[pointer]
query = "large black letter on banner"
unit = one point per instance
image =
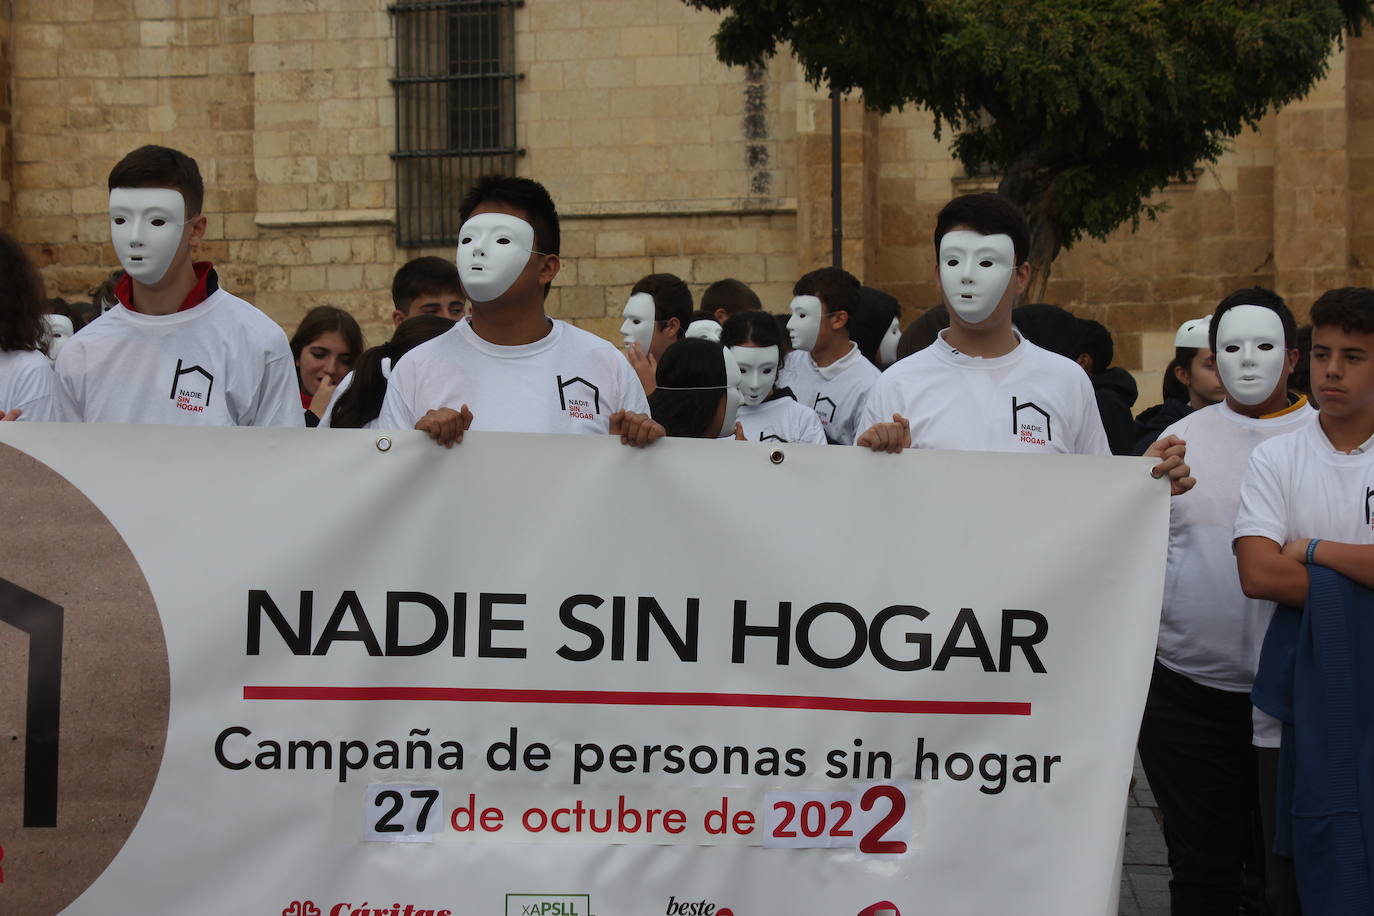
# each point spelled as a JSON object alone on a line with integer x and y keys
{"x": 42, "y": 620}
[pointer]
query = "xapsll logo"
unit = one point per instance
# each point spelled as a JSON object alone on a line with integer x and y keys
{"x": 1369, "y": 507}
{"x": 1031, "y": 427}
{"x": 579, "y": 398}
{"x": 825, "y": 408}
{"x": 191, "y": 388}
{"x": 701, "y": 907}
{"x": 548, "y": 905}
{"x": 301, "y": 908}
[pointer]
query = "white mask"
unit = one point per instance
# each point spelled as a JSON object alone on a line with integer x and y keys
{"x": 887, "y": 349}
{"x": 59, "y": 329}
{"x": 732, "y": 393}
{"x": 805, "y": 324}
{"x": 1193, "y": 333}
{"x": 704, "y": 328}
{"x": 638, "y": 327}
{"x": 758, "y": 371}
{"x": 146, "y": 226}
{"x": 1250, "y": 353}
{"x": 975, "y": 270}
{"x": 493, "y": 248}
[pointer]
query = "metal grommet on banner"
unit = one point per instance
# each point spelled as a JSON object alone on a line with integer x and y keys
{"x": 776, "y": 456}
{"x": 384, "y": 443}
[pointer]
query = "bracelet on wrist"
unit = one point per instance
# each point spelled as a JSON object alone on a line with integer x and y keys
{"x": 1312, "y": 550}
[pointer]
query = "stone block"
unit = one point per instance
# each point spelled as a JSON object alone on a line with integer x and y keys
{"x": 682, "y": 268}
{"x": 580, "y": 44}
{"x": 613, "y": 271}
{"x": 657, "y": 42}
{"x": 619, "y": 244}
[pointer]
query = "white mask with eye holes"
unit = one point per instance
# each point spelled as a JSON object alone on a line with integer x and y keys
{"x": 975, "y": 270}
{"x": 732, "y": 393}
{"x": 887, "y": 349}
{"x": 805, "y": 324}
{"x": 59, "y": 332}
{"x": 704, "y": 328}
{"x": 493, "y": 249}
{"x": 1250, "y": 353}
{"x": 758, "y": 368}
{"x": 146, "y": 226}
{"x": 638, "y": 326}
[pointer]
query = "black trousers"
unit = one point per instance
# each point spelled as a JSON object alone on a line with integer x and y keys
{"x": 1195, "y": 747}
{"x": 1281, "y": 883}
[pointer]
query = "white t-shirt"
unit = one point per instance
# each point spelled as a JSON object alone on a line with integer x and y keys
{"x": 1209, "y": 631}
{"x": 835, "y": 392}
{"x": 1299, "y": 486}
{"x": 221, "y": 363}
{"x": 780, "y": 420}
{"x": 1030, "y": 400}
{"x": 26, "y": 383}
{"x": 570, "y": 381}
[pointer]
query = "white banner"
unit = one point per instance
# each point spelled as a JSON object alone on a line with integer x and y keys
{"x": 284, "y": 671}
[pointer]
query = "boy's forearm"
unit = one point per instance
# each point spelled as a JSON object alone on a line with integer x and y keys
{"x": 1268, "y": 575}
{"x": 1354, "y": 561}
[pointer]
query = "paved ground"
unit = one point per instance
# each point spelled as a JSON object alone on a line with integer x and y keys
{"x": 1145, "y": 870}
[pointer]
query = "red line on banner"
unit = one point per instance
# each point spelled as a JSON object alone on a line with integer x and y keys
{"x": 640, "y": 698}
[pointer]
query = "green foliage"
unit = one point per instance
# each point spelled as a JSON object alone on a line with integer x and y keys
{"x": 1086, "y": 107}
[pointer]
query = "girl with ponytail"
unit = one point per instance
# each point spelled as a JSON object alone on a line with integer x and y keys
{"x": 358, "y": 400}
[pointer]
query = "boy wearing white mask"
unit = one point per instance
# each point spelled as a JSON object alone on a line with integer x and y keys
{"x": 826, "y": 370}
{"x": 1196, "y": 736}
{"x": 177, "y": 349}
{"x": 510, "y": 367}
{"x": 981, "y": 386}
{"x": 767, "y": 413}
{"x": 656, "y": 315}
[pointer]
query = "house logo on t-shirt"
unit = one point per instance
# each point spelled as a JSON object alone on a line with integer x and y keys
{"x": 579, "y": 398}
{"x": 771, "y": 437}
{"x": 1029, "y": 423}
{"x": 827, "y": 412}
{"x": 1369, "y": 507}
{"x": 191, "y": 388}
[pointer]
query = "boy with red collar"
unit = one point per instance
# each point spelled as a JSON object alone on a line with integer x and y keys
{"x": 180, "y": 350}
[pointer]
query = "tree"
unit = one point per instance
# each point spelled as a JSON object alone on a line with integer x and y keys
{"x": 1085, "y": 108}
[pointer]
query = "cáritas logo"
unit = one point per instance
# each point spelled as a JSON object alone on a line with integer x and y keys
{"x": 309, "y": 908}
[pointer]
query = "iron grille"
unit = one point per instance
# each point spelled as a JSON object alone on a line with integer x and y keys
{"x": 455, "y": 109}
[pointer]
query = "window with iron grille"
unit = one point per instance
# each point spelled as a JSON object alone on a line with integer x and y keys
{"x": 455, "y": 108}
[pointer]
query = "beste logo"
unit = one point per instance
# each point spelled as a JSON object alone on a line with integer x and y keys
{"x": 191, "y": 393}
{"x": 702, "y": 907}
{"x": 548, "y": 905}
{"x": 579, "y": 398}
{"x": 1034, "y": 427}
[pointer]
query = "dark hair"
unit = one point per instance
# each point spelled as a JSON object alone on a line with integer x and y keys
{"x": 758, "y": 328}
{"x": 922, "y": 332}
{"x": 105, "y": 292}
{"x": 1097, "y": 344}
{"x": 672, "y": 299}
{"x": 986, "y": 214}
{"x": 688, "y": 364}
{"x": 523, "y": 194}
{"x": 361, "y": 401}
{"x": 1050, "y": 327}
{"x": 868, "y": 326}
{"x": 1264, "y": 298}
{"x": 161, "y": 167}
{"x": 1351, "y": 307}
{"x": 1172, "y": 388}
{"x": 22, "y": 307}
{"x": 731, "y": 295}
{"x": 421, "y": 277}
{"x": 321, "y": 320}
{"x": 838, "y": 290}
